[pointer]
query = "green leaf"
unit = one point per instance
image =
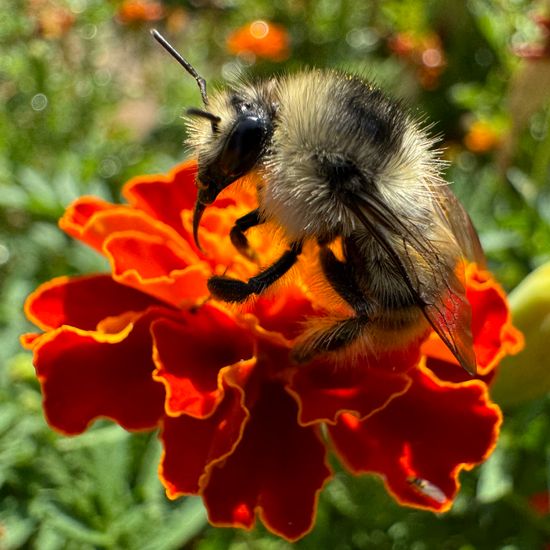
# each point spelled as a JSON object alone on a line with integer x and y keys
{"x": 53, "y": 518}
{"x": 178, "y": 528}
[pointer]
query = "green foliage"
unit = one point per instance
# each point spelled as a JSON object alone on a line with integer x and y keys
{"x": 100, "y": 490}
{"x": 85, "y": 108}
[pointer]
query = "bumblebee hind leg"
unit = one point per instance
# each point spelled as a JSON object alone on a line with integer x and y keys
{"x": 334, "y": 338}
{"x": 344, "y": 332}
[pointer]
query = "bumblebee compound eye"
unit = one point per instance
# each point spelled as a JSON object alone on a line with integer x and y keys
{"x": 244, "y": 146}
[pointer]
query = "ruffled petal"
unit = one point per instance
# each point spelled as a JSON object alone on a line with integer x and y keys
{"x": 93, "y": 221}
{"x": 276, "y": 471}
{"x": 164, "y": 197}
{"x": 192, "y": 356}
{"x": 449, "y": 372}
{"x": 421, "y": 440}
{"x": 192, "y": 445}
{"x": 283, "y": 313}
{"x": 150, "y": 264}
{"x": 491, "y": 311}
{"x": 325, "y": 390}
{"x": 77, "y": 216}
{"x": 149, "y": 255}
{"x": 170, "y": 199}
{"x": 493, "y": 333}
{"x": 30, "y": 339}
{"x": 90, "y": 374}
{"x": 82, "y": 302}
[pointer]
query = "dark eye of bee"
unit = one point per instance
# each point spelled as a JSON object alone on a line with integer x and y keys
{"x": 241, "y": 146}
{"x": 244, "y": 145}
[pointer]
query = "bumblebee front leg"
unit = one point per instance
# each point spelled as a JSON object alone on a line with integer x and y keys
{"x": 229, "y": 289}
{"x": 340, "y": 276}
{"x": 237, "y": 236}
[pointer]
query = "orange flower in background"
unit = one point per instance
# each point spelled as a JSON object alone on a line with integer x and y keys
{"x": 482, "y": 137}
{"x": 53, "y": 21}
{"x": 261, "y": 39}
{"x": 139, "y": 11}
{"x": 240, "y": 424}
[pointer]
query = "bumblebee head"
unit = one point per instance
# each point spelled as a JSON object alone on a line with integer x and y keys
{"x": 229, "y": 136}
{"x": 229, "y": 144}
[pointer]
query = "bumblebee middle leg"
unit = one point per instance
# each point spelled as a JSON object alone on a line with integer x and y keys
{"x": 229, "y": 289}
{"x": 237, "y": 236}
{"x": 340, "y": 276}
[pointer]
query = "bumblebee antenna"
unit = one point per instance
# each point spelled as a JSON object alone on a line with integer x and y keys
{"x": 183, "y": 62}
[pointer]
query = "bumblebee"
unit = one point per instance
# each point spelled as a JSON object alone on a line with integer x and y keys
{"x": 337, "y": 160}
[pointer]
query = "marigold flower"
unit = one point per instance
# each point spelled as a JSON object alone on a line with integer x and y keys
{"x": 240, "y": 424}
{"x": 261, "y": 39}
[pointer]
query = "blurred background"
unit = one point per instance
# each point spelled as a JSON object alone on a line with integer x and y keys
{"x": 88, "y": 99}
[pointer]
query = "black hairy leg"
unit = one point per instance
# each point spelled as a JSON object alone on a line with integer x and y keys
{"x": 229, "y": 289}
{"x": 237, "y": 234}
{"x": 334, "y": 338}
{"x": 340, "y": 276}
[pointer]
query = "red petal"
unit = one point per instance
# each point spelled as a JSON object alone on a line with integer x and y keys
{"x": 165, "y": 196}
{"x": 192, "y": 355}
{"x": 276, "y": 471}
{"x": 492, "y": 329}
{"x": 93, "y": 221}
{"x": 30, "y": 339}
{"x": 86, "y": 375}
{"x": 324, "y": 390}
{"x": 77, "y": 216}
{"x": 191, "y": 445}
{"x": 153, "y": 266}
{"x": 422, "y": 440}
{"x": 494, "y": 335}
{"x": 170, "y": 199}
{"x": 82, "y": 302}
{"x": 150, "y": 255}
{"x": 283, "y": 312}
{"x": 450, "y": 372}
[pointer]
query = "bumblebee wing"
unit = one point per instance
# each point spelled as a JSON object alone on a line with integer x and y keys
{"x": 448, "y": 311}
{"x": 453, "y": 213}
{"x": 431, "y": 262}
